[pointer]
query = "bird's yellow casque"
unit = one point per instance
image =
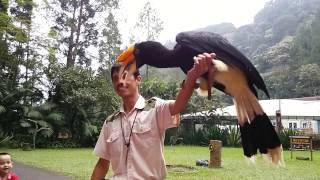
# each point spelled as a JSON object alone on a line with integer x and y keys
{"x": 127, "y": 60}
{"x": 127, "y": 56}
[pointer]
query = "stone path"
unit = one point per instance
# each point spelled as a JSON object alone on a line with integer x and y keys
{"x": 32, "y": 173}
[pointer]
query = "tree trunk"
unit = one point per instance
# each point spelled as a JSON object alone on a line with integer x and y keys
{"x": 74, "y": 52}
{"x": 70, "y": 59}
{"x": 34, "y": 140}
{"x": 34, "y": 136}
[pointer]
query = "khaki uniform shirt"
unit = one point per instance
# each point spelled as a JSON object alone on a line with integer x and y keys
{"x": 143, "y": 158}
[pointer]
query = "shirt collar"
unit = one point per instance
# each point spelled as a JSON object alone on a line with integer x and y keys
{"x": 140, "y": 104}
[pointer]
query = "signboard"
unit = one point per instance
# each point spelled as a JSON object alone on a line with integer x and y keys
{"x": 301, "y": 143}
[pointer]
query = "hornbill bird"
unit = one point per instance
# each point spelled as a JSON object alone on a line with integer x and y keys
{"x": 234, "y": 74}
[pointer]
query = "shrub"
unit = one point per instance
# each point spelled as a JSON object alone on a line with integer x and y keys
{"x": 285, "y": 137}
{"x": 233, "y": 136}
{"x": 216, "y": 133}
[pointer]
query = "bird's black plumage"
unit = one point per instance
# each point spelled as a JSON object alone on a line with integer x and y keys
{"x": 199, "y": 42}
{"x": 192, "y": 43}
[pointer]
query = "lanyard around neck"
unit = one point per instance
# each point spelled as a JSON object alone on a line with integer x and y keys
{"x": 124, "y": 139}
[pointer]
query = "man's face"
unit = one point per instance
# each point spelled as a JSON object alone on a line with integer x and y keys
{"x": 125, "y": 84}
{"x": 5, "y": 164}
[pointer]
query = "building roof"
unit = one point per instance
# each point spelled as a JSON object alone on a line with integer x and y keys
{"x": 288, "y": 107}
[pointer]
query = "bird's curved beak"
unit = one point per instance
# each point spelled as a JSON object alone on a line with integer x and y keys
{"x": 128, "y": 61}
{"x": 127, "y": 56}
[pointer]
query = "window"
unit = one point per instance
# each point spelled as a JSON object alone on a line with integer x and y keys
{"x": 290, "y": 125}
{"x": 294, "y": 125}
{"x": 304, "y": 125}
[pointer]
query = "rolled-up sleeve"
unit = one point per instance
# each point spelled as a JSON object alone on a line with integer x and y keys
{"x": 101, "y": 150}
{"x": 164, "y": 118}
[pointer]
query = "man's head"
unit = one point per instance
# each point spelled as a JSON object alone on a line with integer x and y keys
{"x": 125, "y": 83}
{"x": 6, "y": 163}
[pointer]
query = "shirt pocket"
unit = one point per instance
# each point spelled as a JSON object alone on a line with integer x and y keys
{"x": 142, "y": 128}
{"x": 114, "y": 144}
{"x": 113, "y": 137}
{"x": 146, "y": 138}
{"x": 145, "y": 134}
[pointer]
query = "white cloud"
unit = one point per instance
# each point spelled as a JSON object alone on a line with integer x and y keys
{"x": 183, "y": 15}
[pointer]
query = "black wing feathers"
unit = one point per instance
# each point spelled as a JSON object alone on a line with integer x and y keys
{"x": 200, "y": 42}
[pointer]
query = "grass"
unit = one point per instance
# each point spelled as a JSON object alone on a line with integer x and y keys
{"x": 78, "y": 163}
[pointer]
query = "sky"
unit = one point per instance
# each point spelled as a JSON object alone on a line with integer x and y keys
{"x": 184, "y": 15}
{"x": 177, "y": 15}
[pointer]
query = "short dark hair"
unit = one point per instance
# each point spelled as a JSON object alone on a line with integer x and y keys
{"x": 4, "y": 153}
{"x": 116, "y": 67}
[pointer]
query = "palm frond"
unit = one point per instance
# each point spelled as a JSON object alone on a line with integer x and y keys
{"x": 83, "y": 112}
{"x": 89, "y": 129}
{"x": 31, "y": 130}
{"x": 43, "y": 123}
{"x": 2, "y": 109}
{"x": 34, "y": 114}
{"x": 47, "y": 106}
{"x": 233, "y": 137}
{"x": 56, "y": 118}
{"x": 25, "y": 124}
{"x": 5, "y": 138}
{"x": 46, "y": 132}
{"x": 24, "y": 90}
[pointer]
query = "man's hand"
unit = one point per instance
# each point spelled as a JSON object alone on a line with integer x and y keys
{"x": 201, "y": 65}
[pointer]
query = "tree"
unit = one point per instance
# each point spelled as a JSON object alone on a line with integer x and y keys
{"x": 30, "y": 63}
{"x": 308, "y": 80}
{"x": 207, "y": 108}
{"x": 84, "y": 99}
{"x": 19, "y": 66}
{"x": 42, "y": 119}
{"x": 76, "y": 26}
{"x": 159, "y": 88}
{"x": 148, "y": 26}
{"x": 281, "y": 83}
{"x": 109, "y": 46}
{"x": 276, "y": 56}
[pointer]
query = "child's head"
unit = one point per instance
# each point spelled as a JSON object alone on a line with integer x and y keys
{"x": 5, "y": 163}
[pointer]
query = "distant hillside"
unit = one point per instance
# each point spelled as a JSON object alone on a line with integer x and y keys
{"x": 283, "y": 43}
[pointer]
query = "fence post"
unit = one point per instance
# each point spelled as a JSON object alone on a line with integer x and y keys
{"x": 215, "y": 153}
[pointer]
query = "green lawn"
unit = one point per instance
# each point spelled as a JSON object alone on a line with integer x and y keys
{"x": 78, "y": 163}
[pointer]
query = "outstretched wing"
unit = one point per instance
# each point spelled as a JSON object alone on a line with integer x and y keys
{"x": 192, "y": 43}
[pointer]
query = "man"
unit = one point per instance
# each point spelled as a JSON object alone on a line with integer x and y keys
{"x": 132, "y": 139}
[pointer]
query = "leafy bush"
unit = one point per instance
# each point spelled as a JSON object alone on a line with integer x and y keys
{"x": 285, "y": 137}
{"x": 200, "y": 137}
{"x": 4, "y": 138}
{"x": 170, "y": 133}
{"x": 10, "y": 143}
{"x": 64, "y": 144}
{"x": 216, "y": 133}
{"x": 233, "y": 136}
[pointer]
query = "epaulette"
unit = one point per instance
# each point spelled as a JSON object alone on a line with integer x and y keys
{"x": 150, "y": 103}
{"x": 112, "y": 116}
